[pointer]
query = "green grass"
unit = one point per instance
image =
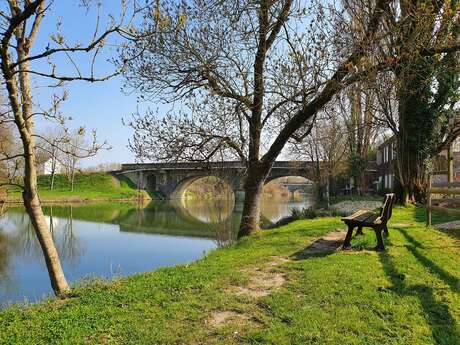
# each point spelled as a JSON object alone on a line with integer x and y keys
{"x": 408, "y": 294}
{"x": 87, "y": 187}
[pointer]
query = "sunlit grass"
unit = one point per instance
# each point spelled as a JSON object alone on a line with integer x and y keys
{"x": 87, "y": 187}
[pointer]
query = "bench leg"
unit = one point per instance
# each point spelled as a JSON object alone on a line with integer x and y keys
{"x": 378, "y": 234}
{"x": 346, "y": 242}
{"x": 385, "y": 230}
{"x": 359, "y": 231}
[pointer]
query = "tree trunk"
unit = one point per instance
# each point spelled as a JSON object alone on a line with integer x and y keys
{"x": 35, "y": 212}
{"x": 253, "y": 186}
{"x": 413, "y": 144}
{"x": 72, "y": 178}
{"x": 53, "y": 172}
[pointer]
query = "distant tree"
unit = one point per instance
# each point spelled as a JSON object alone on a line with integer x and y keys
{"x": 23, "y": 64}
{"x": 104, "y": 167}
{"x": 357, "y": 107}
{"x": 6, "y": 147}
{"x": 326, "y": 146}
{"x": 73, "y": 147}
{"x": 53, "y": 145}
{"x": 76, "y": 147}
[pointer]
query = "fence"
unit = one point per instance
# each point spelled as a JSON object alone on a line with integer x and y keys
{"x": 445, "y": 189}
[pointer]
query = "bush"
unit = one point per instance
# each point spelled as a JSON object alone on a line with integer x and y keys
{"x": 304, "y": 213}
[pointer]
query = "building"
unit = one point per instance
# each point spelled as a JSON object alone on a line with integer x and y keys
{"x": 46, "y": 168}
{"x": 386, "y": 159}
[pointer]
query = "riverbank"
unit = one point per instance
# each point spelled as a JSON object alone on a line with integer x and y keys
{"x": 88, "y": 187}
{"x": 271, "y": 288}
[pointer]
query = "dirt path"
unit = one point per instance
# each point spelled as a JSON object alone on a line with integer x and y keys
{"x": 268, "y": 279}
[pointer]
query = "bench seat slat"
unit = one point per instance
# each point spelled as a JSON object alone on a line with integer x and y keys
{"x": 362, "y": 216}
{"x": 354, "y": 215}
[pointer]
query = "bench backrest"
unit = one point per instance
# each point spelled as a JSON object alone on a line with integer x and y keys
{"x": 387, "y": 208}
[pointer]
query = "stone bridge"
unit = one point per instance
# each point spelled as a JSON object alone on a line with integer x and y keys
{"x": 172, "y": 179}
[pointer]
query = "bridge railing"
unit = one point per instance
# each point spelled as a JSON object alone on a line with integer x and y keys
{"x": 449, "y": 189}
{"x": 208, "y": 165}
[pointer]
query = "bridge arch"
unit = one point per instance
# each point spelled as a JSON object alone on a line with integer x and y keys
{"x": 292, "y": 183}
{"x": 181, "y": 187}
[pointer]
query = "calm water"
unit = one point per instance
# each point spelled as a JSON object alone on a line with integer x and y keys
{"x": 108, "y": 240}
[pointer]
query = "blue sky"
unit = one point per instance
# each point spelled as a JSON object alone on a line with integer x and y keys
{"x": 98, "y": 106}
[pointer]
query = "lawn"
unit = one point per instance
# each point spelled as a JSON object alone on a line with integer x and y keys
{"x": 87, "y": 187}
{"x": 408, "y": 294}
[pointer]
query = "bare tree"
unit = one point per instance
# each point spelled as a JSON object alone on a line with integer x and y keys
{"x": 253, "y": 74}
{"x": 326, "y": 147}
{"x": 21, "y": 60}
{"x": 6, "y": 147}
{"x": 53, "y": 144}
{"x": 75, "y": 148}
{"x": 357, "y": 107}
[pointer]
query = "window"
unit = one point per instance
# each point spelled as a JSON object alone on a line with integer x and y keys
{"x": 379, "y": 158}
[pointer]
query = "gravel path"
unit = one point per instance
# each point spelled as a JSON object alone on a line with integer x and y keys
{"x": 349, "y": 207}
{"x": 455, "y": 225}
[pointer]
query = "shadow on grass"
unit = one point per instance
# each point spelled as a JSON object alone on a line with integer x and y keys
{"x": 437, "y": 218}
{"x": 434, "y": 268}
{"x": 442, "y": 324}
{"x": 319, "y": 248}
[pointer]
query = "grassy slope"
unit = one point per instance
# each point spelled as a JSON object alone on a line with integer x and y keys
{"x": 406, "y": 295}
{"x": 91, "y": 186}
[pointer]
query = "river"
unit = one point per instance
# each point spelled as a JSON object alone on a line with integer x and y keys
{"x": 110, "y": 240}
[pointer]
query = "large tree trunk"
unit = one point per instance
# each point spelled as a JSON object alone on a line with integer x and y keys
{"x": 253, "y": 186}
{"x": 410, "y": 176}
{"x": 414, "y": 138}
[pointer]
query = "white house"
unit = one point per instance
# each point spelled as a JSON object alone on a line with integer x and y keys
{"x": 46, "y": 168}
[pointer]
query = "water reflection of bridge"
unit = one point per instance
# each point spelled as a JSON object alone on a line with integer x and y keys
{"x": 204, "y": 219}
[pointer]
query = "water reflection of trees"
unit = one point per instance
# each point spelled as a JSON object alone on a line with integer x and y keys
{"x": 62, "y": 230}
{"x": 69, "y": 246}
{"x": 6, "y": 251}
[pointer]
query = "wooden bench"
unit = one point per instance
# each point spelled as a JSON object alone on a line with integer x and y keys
{"x": 370, "y": 219}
